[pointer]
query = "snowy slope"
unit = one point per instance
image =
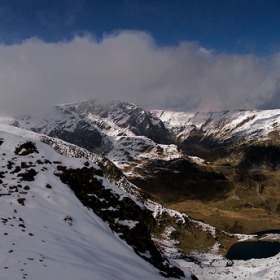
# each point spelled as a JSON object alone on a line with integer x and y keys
{"x": 129, "y": 135}
{"x": 46, "y": 231}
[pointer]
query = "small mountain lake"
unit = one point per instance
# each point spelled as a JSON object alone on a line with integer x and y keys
{"x": 254, "y": 249}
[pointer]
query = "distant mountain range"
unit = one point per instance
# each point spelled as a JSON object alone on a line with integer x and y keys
{"x": 194, "y": 181}
{"x": 108, "y": 128}
{"x": 175, "y": 152}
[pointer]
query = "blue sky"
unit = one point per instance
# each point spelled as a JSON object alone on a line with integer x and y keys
{"x": 177, "y": 54}
{"x": 241, "y": 26}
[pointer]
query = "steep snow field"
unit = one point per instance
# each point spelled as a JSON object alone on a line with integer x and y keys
{"x": 46, "y": 232}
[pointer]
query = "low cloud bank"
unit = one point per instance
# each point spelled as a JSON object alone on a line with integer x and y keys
{"x": 129, "y": 66}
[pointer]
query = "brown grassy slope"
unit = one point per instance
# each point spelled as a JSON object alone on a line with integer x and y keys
{"x": 230, "y": 194}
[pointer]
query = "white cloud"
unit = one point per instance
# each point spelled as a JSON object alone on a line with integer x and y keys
{"x": 129, "y": 66}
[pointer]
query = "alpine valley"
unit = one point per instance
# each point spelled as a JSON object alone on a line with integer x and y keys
{"x": 113, "y": 191}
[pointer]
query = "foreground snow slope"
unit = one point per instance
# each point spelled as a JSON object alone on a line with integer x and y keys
{"x": 46, "y": 232}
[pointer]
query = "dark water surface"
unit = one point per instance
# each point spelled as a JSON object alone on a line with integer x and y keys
{"x": 274, "y": 231}
{"x": 249, "y": 250}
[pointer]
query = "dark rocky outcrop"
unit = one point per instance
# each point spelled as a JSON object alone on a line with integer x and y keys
{"x": 131, "y": 222}
{"x": 83, "y": 135}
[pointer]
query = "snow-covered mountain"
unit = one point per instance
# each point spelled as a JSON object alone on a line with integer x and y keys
{"x": 61, "y": 219}
{"x": 202, "y": 134}
{"x": 220, "y": 168}
{"x": 170, "y": 150}
{"x": 123, "y": 132}
{"x": 169, "y": 154}
{"x": 128, "y": 135}
{"x": 224, "y": 125}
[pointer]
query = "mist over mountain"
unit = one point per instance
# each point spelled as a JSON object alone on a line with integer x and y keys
{"x": 131, "y": 66}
